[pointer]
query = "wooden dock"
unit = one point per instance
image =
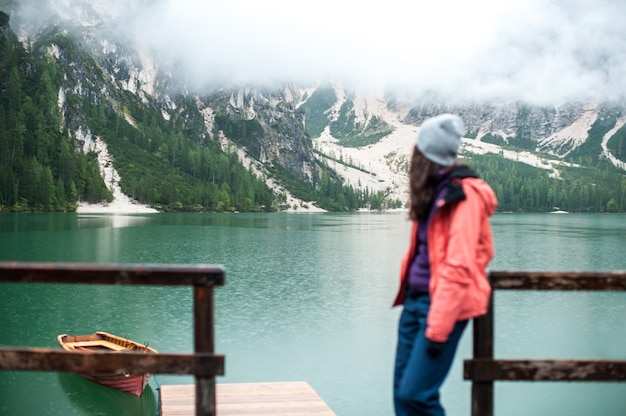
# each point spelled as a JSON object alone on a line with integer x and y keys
{"x": 295, "y": 398}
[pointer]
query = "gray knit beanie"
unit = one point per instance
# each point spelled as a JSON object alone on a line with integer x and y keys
{"x": 439, "y": 138}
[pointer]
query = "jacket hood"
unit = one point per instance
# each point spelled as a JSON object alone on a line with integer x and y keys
{"x": 485, "y": 192}
{"x": 463, "y": 176}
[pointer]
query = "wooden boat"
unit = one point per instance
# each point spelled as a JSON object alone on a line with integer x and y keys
{"x": 101, "y": 341}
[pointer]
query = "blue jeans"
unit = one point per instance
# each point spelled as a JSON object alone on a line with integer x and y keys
{"x": 418, "y": 376}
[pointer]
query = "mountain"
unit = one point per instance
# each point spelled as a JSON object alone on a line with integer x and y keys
{"x": 288, "y": 146}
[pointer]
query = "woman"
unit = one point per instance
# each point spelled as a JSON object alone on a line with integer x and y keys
{"x": 443, "y": 280}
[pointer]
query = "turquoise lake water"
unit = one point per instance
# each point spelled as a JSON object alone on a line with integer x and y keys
{"x": 307, "y": 297}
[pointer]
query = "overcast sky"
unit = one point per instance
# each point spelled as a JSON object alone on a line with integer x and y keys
{"x": 542, "y": 51}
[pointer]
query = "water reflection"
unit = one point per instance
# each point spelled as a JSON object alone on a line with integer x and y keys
{"x": 112, "y": 220}
{"x": 93, "y": 399}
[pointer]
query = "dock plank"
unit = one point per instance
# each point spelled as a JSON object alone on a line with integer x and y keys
{"x": 296, "y": 398}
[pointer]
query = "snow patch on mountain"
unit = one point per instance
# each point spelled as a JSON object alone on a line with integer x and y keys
{"x": 477, "y": 147}
{"x": 605, "y": 150}
{"x": 563, "y": 142}
{"x": 122, "y": 203}
{"x": 367, "y": 106}
{"x": 335, "y": 110}
{"x": 383, "y": 166}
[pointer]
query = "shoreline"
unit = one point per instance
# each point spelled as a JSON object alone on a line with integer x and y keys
{"x": 114, "y": 208}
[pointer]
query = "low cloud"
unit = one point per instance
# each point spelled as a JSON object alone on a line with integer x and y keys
{"x": 540, "y": 51}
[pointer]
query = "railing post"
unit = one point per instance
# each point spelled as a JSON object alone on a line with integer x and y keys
{"x": 482, "y": 391}
{"x": 204, "y": 343}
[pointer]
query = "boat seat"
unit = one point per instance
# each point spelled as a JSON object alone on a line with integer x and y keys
{"x": 98, "y": 343}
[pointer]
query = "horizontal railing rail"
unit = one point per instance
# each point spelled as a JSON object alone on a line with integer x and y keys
{"x": 483, "y": 369}
{"x": 204, "y": 364}
{"x": 43, "y": 359}
{"x": 592, "y": 281}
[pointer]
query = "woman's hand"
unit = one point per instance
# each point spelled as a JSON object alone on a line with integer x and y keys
{"x": 434, "y": 348}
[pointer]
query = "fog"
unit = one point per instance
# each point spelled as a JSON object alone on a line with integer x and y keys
{"x": 539, "y": 51}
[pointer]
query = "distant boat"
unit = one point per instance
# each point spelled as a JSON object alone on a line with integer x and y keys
{"x": 101, "y": 341}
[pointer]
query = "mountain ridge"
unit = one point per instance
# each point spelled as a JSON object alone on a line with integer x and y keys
{"x": 314, "y": 134}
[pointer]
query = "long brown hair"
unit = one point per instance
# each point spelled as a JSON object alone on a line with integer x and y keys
{"x": 423, "y": 178}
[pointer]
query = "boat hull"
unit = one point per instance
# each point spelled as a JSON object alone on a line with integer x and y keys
{"x": 102, "y": 341}
{"x": 134, "y": 385}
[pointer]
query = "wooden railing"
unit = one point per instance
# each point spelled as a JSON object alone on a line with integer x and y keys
{"x": 483, "y": 369}
{"x": 204, "y": 364}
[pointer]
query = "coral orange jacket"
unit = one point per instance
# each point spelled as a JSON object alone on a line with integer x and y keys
{"x": 460, "y": 246}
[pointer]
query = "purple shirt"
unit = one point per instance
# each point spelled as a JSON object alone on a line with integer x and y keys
{"x": 419, "y": 273}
